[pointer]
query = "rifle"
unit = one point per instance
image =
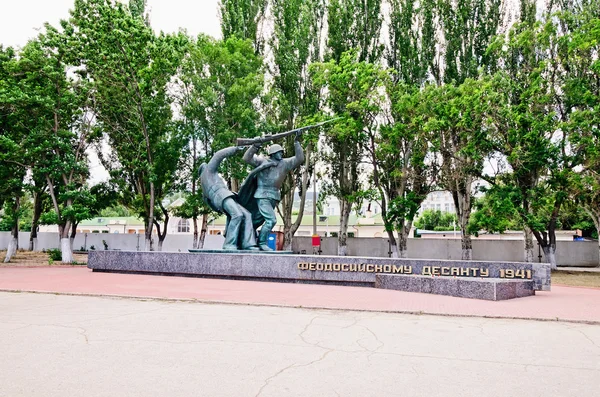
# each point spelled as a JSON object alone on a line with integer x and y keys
{"x": 274, "y": 137}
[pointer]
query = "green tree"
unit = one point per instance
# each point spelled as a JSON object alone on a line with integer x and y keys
{"x": 220, "y": 85}
{"x": 243, "y": 19}
{"x": 12, "y": 153}
{"x": 404, "y": 170}
{"x": 495, "y": 212}
{"x": 295, "y": 44}
{"x": 576, "y": 60}
{"x": 354, "y": 89}
{"x": 355, "y": 25}
{"x": 58, "y": 130}
{"x": 130, "y": 68}
{"x": 468, "y": 26}
{"x": 526, "y": 132}
{"x": 457, "y": 124}
{"x": 436, "y": 220}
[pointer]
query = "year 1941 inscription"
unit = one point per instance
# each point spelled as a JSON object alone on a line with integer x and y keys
{"x": 405, "y": 269}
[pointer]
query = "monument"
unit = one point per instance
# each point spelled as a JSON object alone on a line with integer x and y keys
{"x": 244, "y": 253}
{"x": 254, "y": 205}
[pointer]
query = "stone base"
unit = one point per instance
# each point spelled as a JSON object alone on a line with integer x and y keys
{"x": 213, "y": 251}
{"x": 483, "y": 280}
{"x": 492, "y": 289}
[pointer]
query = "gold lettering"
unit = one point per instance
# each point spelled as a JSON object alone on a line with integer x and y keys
{"x": 387, "y": 269}
{"x": 397, "y": 269}
{"x": 353, "y": 267}
{"x": 426, "y": 271}
{"x": 337, "y": 267}
{"x": 435, "y": 270}
{"x": 473, "y": 271}
{"x": 320, "y": 266}
{"x": 312, "y": 266}
{"x": 370, "y": 268}
{"x": 484, "y": 272}
{"x": 455, "y": 271}
{"x": 464, "y": 271}
{"x": 361, "y": 267}
{"x": 445, "y": 271}
{"x": 407, "y": 269}
{"x": 345, "y": 267}
{"x": 328, "y": 267}
{"x": 303, "y": 266}
{"x": 378, "y": 268}
{"x": 528, "y": 274}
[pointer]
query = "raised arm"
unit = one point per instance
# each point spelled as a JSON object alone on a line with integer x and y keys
{"x": 213, "y": 164}
{"x": 298, "y": 159}
{"x": 250, "y": 156}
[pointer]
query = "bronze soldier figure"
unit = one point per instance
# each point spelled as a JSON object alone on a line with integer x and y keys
{"x": 239, "y": 233}
{"x": 263, "y": 184}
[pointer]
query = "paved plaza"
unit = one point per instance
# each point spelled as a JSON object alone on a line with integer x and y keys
{"x": 56, "y": 345}
{"x": 562, "y": 303}
{"x": 78, "y": 333}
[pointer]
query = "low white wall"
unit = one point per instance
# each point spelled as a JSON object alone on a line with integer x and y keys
{"x": 568, "y": 253}
{"x": 124, "y": 242}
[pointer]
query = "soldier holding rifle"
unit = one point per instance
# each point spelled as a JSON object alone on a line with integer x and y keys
{"x": 260, "y": 192}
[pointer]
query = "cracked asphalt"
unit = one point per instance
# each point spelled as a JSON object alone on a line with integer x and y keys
{"x": 59, "y": 345}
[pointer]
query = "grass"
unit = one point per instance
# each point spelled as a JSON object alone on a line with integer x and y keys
{"x": 576, "y": 279}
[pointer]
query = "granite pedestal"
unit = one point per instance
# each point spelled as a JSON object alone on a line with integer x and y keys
{"x": 358, "y": 271}
{"x": 493, "y": 289}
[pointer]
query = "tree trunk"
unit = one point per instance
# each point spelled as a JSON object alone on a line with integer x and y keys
{"x": 195, "y": 242}
{"x": 12, "y": 249}
{"x": 343, "y": 232}
{"x": 66, "y": 251}
{"x": 73, "y": 233}
{"x": 203, "y": 231}
{"x": 13, "y": 244}
{"x": 550, "y": 254}
{"x": 529, "y": 254}
{"x": 37, "y": 212}
{"x": 393, "y": 244}
{"x": 65, "y": 243}
{"x": 466, "y": 245}
{"x": 598, "y": 231}
{"x": 462, "y": 200}
{"x": 403, "y": 238}
{"x": 148, "y": 243}
{"x": 594, "y": 213}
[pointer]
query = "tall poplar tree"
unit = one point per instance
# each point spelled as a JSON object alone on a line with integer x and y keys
{"x": 468, "y": 27}
{"x": 403, "y": 169}
{"x": 353, "y": 48}
{"x": 131, "y": 67}
{"x": 243, "y": 19}
{"x": 296, "y": 43}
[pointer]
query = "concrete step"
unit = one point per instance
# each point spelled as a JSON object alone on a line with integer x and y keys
{"x": 493, "y": 289}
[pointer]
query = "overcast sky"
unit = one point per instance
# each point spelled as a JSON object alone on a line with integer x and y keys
{"x": 20, "y": 20}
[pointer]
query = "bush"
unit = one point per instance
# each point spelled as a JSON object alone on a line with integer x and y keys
{"x": 55, "y": 254}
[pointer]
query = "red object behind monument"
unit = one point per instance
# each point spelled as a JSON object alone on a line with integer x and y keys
{"x": 316, "y": 241}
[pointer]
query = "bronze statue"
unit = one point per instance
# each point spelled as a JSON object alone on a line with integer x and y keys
{"x": 264, "y": 183}
{"x": 255, "y": 203}
{"x": 239, "y": 233}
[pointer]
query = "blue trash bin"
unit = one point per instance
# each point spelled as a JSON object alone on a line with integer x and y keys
{"x": 272, "y": 241}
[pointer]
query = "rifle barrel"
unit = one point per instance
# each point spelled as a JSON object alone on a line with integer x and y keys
{"x": 274, "y": 137}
